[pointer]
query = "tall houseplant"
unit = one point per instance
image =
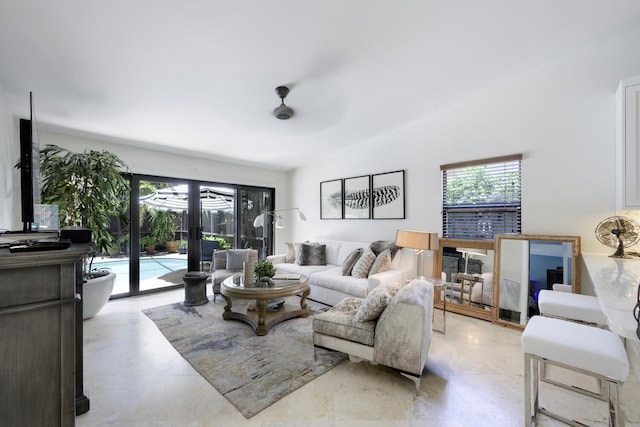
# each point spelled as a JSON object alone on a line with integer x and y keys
{"x": 89, "y": 190}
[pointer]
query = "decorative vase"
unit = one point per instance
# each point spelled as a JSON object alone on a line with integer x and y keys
{"x": 249, "y": 275}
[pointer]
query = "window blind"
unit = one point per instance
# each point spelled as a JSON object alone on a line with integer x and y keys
{"x": 482, "y": 198}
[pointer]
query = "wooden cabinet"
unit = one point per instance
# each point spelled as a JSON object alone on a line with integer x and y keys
{"x": 39, "y": 329}
{"x": 628, "y": 144}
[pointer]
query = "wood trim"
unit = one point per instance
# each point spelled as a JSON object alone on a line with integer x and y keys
{"x": 490, "y": 160}
{"x": 477, "y": 312}
{"x": 576, "y": 268}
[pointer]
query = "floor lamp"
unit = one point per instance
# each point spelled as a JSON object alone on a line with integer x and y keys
{"x": 277, "y": 222}
{"x": 420, "y": 241}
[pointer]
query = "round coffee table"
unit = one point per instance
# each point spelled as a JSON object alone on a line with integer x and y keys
{"x": 260, "y": 320}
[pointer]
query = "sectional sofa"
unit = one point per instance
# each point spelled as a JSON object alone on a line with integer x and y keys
{"x": 329, "y": 284}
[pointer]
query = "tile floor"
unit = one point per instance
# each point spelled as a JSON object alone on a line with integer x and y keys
{"x": 473, "y": 377}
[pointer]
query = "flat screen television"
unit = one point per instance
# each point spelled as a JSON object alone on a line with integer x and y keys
{"x": 29, "y": 167}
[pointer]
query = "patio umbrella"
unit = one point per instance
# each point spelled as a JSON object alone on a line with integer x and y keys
{"x": 176, "y": 198}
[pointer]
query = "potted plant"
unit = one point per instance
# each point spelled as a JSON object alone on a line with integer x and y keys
{"x": 183, "y": 246}
{"x": 149, "y": 243}
{"x": 163, "y": 228}
{"x": 264, "y": 271}
{"x": 89, "y": 190}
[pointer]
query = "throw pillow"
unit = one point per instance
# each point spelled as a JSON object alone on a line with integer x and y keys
{"x": 363, "y": 265}
{"x": 312, "y": 254}
{"x": 380, "y": 245}
{"x": 296, "y": 247}
{"x": 382, "y": 262}
{"x": 290, "y": 257}
{"x": 235, "y": 258}
{"x": 350, "y": 261}
{"x": 376, "y": 301}
{"x": 220, "y": 260}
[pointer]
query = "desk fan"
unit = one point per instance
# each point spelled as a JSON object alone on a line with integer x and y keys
{"x": 618, "y": 232}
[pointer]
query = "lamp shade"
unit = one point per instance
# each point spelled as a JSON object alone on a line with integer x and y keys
{"x": 420, "y": 240}
{"x": 259, "y": 221}
{"x": 277, "y": 219}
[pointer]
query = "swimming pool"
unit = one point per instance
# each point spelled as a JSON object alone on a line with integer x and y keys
{"x": 149, "y": 269}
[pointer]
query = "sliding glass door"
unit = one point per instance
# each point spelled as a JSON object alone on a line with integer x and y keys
{"x": 254, "y": 202}
{"x": 175, "y": 227}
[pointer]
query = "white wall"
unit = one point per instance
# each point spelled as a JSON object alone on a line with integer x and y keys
{"x": 562, "y": 118}
{"x": 9, "y": 177}
{"x": 145, "y": 161}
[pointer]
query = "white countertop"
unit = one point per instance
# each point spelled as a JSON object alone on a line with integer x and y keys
{"x": 615, "y": 282}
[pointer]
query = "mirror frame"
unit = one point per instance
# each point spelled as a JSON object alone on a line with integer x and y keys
{"x": 576, "y": 267}
{"x": 476, "y": 312}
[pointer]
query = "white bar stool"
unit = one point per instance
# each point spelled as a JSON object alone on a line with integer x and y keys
{"x": 569, "y": 306}
{"x": 592, "y": 351}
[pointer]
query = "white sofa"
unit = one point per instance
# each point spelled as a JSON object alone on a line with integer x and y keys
{"x": 327, "y": 283}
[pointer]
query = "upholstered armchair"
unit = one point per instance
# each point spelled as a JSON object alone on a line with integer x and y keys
{"x": 398, "y": 338}
{"x": 228, "y": 262}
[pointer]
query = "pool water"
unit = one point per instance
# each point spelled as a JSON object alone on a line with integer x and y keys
{"x": 149, "y": 269}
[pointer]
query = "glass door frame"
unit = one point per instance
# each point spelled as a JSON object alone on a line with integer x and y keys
{"x": 194, "y": 227}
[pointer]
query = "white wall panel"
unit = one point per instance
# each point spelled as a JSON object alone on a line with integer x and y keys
{"x": 562, "y": 118}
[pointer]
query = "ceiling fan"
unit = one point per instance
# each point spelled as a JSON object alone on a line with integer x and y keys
{"x": 283, "y": 112}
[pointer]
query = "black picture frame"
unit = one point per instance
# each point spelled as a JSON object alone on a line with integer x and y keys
{"x": 331, "y": 196}
{"x": 387, "y": 195}
{"x": 356, "y": 197}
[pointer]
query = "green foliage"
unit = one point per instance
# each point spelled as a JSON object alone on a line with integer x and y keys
{"x": 481, "y": 186}
{"x": 148, "y": 241}
{"x": 163, "y": 225}
{"x": 264, "y": 268}
{"x": 88, "y": 188}
{"x": 223, "y": 243}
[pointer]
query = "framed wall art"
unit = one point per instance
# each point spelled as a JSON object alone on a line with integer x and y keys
{"x": 331, "y": 199}
{"x": 357, "y": 197}
{"x": 387, "y": 195}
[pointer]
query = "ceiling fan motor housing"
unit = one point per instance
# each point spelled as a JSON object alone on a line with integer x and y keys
{"x": 283, "y": 112}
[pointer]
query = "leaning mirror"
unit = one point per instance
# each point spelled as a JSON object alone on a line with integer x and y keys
{"x": 525, "y": 264}
{"x": 467, "y": 266}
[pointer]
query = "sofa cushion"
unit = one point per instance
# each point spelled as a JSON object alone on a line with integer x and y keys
{"x": 382, "y": 263}
{"x": 380, "y": 245}
{"x": 375, "y": 303}
{"x": 350, "y": 261}
{"x": 346, "y": 248}
{"x": 332, "y": 278}
{"x": 306, "y": 270}
{"x": 219, "y": 260}
{"x": 235, "y": 258}
{"x": 290, "y": 257}
{"x": 312, "y": 254}
{"x": 340, "y": 321}
{"x": 220, "y": 275}
{"x": 298, "y": 249}
{"x": 363, "y": 265}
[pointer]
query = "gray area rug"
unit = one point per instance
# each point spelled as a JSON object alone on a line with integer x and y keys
{"x": 251, "y": 372}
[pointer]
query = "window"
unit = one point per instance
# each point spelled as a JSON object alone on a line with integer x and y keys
{"x": 481, "y": 198}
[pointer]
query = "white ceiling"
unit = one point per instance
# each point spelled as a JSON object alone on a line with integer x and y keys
{"x": 199, "y": 76}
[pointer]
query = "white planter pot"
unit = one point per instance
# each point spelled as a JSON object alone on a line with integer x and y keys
{"x": 95, "y": 294}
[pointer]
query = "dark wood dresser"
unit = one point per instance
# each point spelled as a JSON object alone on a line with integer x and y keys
{"x": 41, "y": 337}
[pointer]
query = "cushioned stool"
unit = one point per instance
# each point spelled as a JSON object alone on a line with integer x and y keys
{"x": 576, "y": 307}
{"x": 592, "y": 351}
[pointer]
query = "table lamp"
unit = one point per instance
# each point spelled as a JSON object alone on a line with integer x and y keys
{"x": 420, "y": 241}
